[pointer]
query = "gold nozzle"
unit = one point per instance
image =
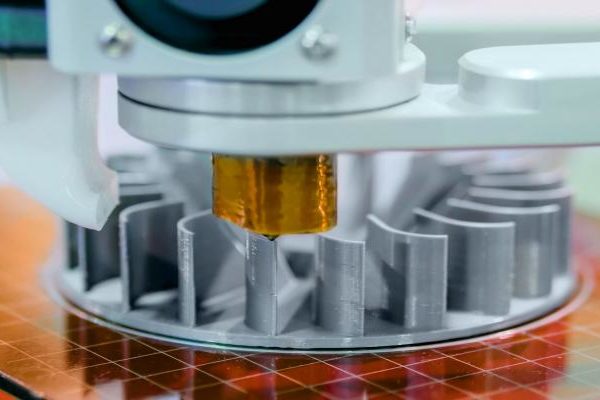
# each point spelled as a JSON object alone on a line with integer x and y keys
{"x": 276, "y": 196}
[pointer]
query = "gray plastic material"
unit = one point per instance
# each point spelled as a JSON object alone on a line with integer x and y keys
{"x": 340, "y": 294}
{"x": 481, "y": 262}
{"x": 478, "y": 251}
{"x": 500, "y": 167}
{"x": 414, "y": 267}
{"x": 149, "y": 249}
{"x": 526, "y": 181}
{"x": 433, "y": 179}
{"x": 267, "y": 280}
{"x": 209, "y": 263}
{"x": 273, "y": 294}
{"x": 533, "y": 241}
{"x": 561, "y": 197}
{"x": 99, "y": 250}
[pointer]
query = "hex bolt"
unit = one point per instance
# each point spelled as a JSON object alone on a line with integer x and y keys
{"x": 318, "y": 44}
{"x": 115, "y": 40}
{"x": 410, "y": 26}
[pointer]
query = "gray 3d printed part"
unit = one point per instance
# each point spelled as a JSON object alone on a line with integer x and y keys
{"x": 415, "y": 274}
{"x": 513, "y": 198}
{"x": 272, "y": 296}
{"x": 534, "y": 239}
{"x": 477, "y": 250}
{"x": 148, "y": 245}
{"x": 515, "y": 181}
{"x": 99, "y": 250}
{"x": 340, "y": 294}
{"x": 480, "y": 264}
{"x": 208, "y": 268}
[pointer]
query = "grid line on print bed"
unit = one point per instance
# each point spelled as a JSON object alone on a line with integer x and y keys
{"x": 534, "y": 362}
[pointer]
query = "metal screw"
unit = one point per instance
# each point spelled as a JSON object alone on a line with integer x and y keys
{"x": 318, "y": 44}
{"x": 115, "y": 40}
{"x": 410, "y": 28}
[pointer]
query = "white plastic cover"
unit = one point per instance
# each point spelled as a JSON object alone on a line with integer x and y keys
{"x": 48, "y": 141}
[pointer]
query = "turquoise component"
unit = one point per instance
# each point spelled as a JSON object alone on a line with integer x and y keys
{"x": 22, "y": 30}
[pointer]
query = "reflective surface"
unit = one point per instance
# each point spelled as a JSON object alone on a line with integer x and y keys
{"x": 276, "y": 196}
{"x": 59, "y": 355}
